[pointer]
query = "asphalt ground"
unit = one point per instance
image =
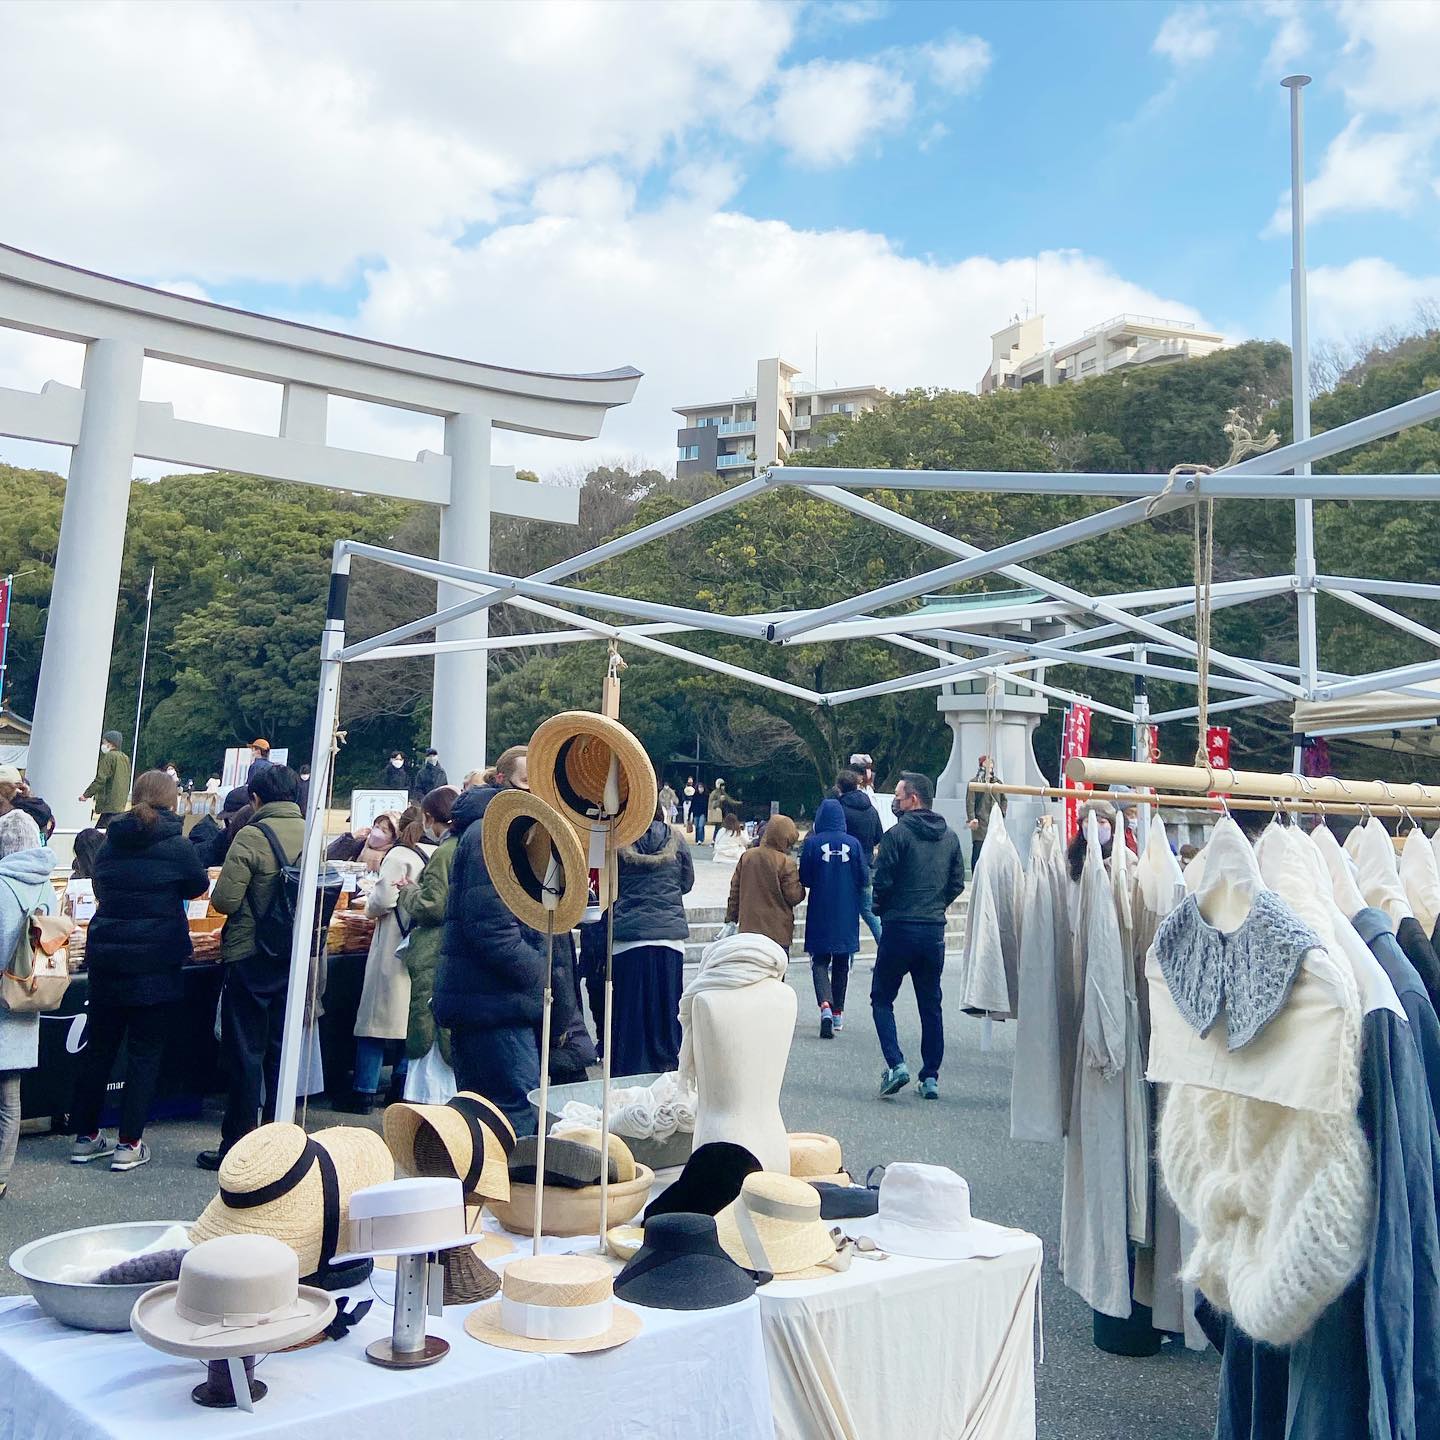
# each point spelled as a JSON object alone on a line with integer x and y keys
{"x": 1083, "y": 1393}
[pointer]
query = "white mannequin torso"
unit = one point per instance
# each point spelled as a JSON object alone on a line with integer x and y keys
{"x": 742, "y": 1046}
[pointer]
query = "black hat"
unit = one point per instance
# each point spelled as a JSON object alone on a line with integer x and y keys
{"x": 567, "y": 1163}
{"x": 432, "y": 751}
{"x": 846, "y": 1202}
{"x": 710, "y": 1181}
{"x": 681, "y": 1266}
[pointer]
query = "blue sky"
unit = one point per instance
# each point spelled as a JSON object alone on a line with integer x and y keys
{"x": 689, "y": 187}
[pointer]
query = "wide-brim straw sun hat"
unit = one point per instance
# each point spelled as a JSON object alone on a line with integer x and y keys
{"x": 774, "y": 1225}
{"x": 526, "y": 840}
{"x": 569, "y": 763}
{"x": 555, "y": 1305}
{"x": 468, "y": 1138}
{"x": 236, "y": 1295}
{"x": 814, "y": 1156}
{"x": 280, "y": 1182}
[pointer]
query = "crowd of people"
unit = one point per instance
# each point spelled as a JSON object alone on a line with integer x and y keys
{"x": 453, "y": 980}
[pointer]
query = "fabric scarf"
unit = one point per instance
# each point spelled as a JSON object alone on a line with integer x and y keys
{"x": 729, "y": 964}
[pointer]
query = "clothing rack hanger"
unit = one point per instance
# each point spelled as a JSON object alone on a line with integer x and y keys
{"x": 1225, "y": 803}
{"x": 1383, "y": 796}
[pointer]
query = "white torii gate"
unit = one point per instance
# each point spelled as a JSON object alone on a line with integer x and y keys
{"x": 108, "y": 425}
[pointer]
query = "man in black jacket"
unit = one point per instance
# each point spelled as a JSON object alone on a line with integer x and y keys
{"x": 862, "y": 820}
{"x": 919, "y": 871}
{"x": 430, "y": 776}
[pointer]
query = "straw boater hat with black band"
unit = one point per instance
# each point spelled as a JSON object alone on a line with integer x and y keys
{"x": 278, "y": 1181}
{"x": 535, "y": 861}
{"x": 570, "y": 758}
{"x": 468, "y": 1138}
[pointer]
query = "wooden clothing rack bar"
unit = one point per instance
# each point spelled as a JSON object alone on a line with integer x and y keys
{"x": 1206, "y": 802}
{"x": 1249, "y": 782}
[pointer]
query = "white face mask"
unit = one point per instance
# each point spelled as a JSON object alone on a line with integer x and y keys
{"x": 398, "y": 763}
{"x": 379, "y": 838}
{"x": 1103, "y": 831}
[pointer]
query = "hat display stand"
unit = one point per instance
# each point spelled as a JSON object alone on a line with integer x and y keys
{"x": 230, "y": 1385}
{"x": 550, "y": 899}
{"x": 418, "y": 1293}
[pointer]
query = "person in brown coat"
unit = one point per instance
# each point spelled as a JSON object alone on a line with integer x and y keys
{"x": 766, "y": 885}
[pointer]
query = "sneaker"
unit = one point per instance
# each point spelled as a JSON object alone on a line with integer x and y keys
{"x": 83, "y": 1151}
{"x": 894, "y": 1080}
{"x": 130, "y": 1157}
{"x": 827, "y": 1023}
{"x": 839, "y": 1019}
{"x": 929, "y": 1089}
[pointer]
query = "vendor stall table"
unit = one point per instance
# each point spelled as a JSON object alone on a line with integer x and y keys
{"x": 699, "y": 1374}
{"x": 938, "y": 1348}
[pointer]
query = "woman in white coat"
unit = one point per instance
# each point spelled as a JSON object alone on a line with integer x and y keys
{"x": 384, "y": 1013}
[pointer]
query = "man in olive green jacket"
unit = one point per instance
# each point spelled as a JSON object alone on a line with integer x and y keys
{"x": 110, "y": 789}
{"x": 252, "y": 1002}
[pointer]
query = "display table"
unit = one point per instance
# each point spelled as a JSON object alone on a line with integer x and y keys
{"x": 943, "y": 1349}
{"x": 697, "y": 1374}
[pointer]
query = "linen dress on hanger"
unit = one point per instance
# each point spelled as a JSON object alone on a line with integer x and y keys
{"x": 1039, "y": 1084}
{"x": 989, "y": 968}
{"x": 1094, "y": 1218}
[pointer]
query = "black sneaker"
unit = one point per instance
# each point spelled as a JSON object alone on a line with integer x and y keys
{"x": 827, "y": 1023}
{"x": 210, "y": 1159}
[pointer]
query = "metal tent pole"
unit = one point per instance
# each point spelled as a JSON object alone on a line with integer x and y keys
{"x": 321, "y": 761}
{"x": 1300, "y": 395}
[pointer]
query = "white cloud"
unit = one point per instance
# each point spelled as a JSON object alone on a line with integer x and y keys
{"x": 1364, "y": 298}
{"x": 852, "y": 12}
{"x": 827, "y": 109}
{"x": 1364, "y": 170}
{"x": 959, "y": 62}
{"x": 1187, "y": 36}
{"x": 1292, "y": 39}
{"x": 596, "y": 193}
{"x": 1397, "y": 43}
{"x": 228, "y": 140}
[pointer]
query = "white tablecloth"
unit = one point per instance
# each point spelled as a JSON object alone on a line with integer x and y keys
{"x": 943, "y": 1350}
{"x": 693, "y": 1374}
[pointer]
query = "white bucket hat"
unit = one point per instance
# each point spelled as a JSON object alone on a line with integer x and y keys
{"x": 237, "y": 1295}
{"x": 925, "y": 1212}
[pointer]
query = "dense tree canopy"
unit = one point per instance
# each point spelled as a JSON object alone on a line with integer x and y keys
{"x": 241, "y": 567}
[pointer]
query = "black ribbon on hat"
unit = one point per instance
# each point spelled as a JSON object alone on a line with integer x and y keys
{"x": 479, "y": 1119}
{"x": 345, "y": 1318}
{"x": 311, "y": 1154}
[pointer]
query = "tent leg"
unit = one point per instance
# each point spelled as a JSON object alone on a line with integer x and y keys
{"x": 321, "y": 762}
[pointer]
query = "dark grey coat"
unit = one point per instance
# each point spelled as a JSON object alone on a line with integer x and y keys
{"x": 656, "y": 873}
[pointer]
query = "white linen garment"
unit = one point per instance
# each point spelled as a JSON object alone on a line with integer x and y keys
{"x": 1137, "y": 1093}
{"x": 990, "y": 965}
{"x": 1039, "y": 1086}
{"x": 1370, "y": 846}
{"x": 728, "y": 964}
{"x": 1094, "y": 1211}
{"x": 1420, "y": 876}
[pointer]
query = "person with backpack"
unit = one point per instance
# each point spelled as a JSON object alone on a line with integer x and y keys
{"x": 255, "y": 949}
{"x": 835, "y": 869}
{"x": 137, "y": 945}
{"x": 384, "y": 1012}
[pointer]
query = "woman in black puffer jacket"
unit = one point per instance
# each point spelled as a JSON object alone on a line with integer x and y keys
{"x": 137, "y": 944}
{"x": 655, "y": 875}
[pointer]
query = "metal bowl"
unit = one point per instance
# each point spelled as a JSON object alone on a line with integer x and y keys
{"x": 86, "y": 1307}
{"x": 657, "y": 1154}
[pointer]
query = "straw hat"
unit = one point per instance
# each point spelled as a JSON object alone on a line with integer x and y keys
{"x": 468, "y": 1138}
{"x": 619, "y": 1151}
{"x": 570, "y": 765}
{"x": 775, "y": 1226}
{"x": 236, "y": 1295}
{"x": 813, "y": 1156}
{"x": 521, "y": 837}
{"x": 555, "y": 1305}
{"x": 280, "y": 1182}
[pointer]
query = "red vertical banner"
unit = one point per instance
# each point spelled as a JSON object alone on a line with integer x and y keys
{"x": 1074, "y": 743}
{"x": 1148, "y": 744}
{"x": 1217, "y": 748}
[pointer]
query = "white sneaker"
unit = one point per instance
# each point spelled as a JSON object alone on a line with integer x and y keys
{"x": 82, "y": 1152}
{"x": 128, "y": 1157}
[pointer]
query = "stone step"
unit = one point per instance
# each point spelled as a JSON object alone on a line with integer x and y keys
{"x": 715, "y": 914}
{"x": 704, "y": 934}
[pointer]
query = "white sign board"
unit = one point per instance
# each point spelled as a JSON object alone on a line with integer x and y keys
{"x": 365, "y": 805}
{"x": 237, "y": 765}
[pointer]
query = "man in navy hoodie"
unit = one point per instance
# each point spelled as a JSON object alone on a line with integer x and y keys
{"x": 835, "y": 869}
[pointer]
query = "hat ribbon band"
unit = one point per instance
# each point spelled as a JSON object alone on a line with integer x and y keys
{"x": 478, "y": 1119}
{"x": 283, "y": 1185}
{"x": 750, "y": 1237}
{"x": 782, "y": 1209}
{"x": 212, "y": 1322}
{"x": 556, "y": 1322}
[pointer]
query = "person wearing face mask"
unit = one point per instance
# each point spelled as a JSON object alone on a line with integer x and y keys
{"x": 259, "y": 759}
{"x": 384, "y": 832}
{"x": 396, "y": 774}
{"x": 383, "y": 1015}
{"x": 1105, "y": 820}
{"x": 919, "y": 871}
{"x": 110, "y": 789}
{"x": 420, "y": 912}
{"x": 979, "y": 805}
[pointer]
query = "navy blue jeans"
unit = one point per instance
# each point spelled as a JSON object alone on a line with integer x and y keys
{"x": 915, "y": 948}
{"x": 867, "y": 912}
{"x": 502, "y": 1064}
{"x": 369, "y": 1057}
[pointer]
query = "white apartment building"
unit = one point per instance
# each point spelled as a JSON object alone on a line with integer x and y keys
{"x": 750, "y": 432}
{"x": 1019, "y": 355}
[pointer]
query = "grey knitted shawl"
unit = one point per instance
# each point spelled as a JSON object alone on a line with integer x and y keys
{"x": 1247, "y": 973}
